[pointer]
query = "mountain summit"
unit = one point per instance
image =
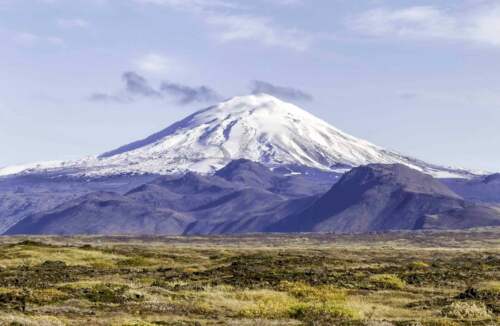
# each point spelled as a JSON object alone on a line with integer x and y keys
{"x": 258, "y": 127}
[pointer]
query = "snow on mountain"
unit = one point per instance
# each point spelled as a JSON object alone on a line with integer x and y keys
{"x": 259, "y": 127}
{"x": 16, "y": 169}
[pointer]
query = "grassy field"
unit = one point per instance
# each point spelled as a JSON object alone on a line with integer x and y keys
{"x": 434, "y": 279}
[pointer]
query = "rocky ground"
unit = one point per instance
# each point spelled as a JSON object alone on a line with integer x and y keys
{"x": 427, "y": 278}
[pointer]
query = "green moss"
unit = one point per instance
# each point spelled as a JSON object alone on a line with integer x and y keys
{"x": 322, "y": 312}
{"x": 321, "y": 293}
{"x": 387, "y": 281}
{"x": 257, "y": 279}
{"x": 98, "y": 292}
{"x": 418, "y": 265}
{"x": 48, "y": 296}
{"x": 265, "y": 304}
{"x": 136, "y": 262}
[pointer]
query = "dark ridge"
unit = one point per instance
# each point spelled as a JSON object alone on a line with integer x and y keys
{"x": 386, "y": 197}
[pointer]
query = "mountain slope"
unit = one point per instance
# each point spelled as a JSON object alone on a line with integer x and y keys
{"x": 482, "y": 188}
{"x": 248, "y": 197}
{"x": 260, "y": 128}
{"x": 24, "y": 195}
{"x": 248, "y": 173}
{"x": 387, "y": 197}
{"x": 189, "y": 204}
{"x": 103, "y": 213}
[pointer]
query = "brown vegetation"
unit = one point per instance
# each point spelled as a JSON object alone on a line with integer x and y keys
{"x": 423, "y": 279}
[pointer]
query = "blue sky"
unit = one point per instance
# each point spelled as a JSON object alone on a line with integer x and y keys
{"x": 80, "y": 77}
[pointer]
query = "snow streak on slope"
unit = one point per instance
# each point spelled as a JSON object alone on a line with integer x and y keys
{"x": 260, "y": 128}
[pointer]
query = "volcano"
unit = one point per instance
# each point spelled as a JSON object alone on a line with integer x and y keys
{"x": 260, "y": 128}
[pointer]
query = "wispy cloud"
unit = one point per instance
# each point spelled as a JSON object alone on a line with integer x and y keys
{"x": 136, "y": 86}
{"x": 231, "y": 22}
{"x": 408, "y": 95}
{"x": 481, "y": 25}
{"x": 104, "y": 97}
{"x": 193, "y": 5}
{"x": 284, "y": 92}
{"x": 259, "y": 29}
{"x": 73, "y": 23}
{"x": 285, "y": 2}
{"x": 155, "y": 63}
{"x": 31, "y": 39}
{"x": 186, "y": 94}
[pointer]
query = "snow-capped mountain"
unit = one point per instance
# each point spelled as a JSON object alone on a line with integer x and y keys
{"x": 260, "y": 128}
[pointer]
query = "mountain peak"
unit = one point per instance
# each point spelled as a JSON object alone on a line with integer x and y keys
{"x": 247, "y": 172}
{"x": 262, "y": 107}
{"x": 397, "y": 175}
{"x": 255, "y": 103}
{"x": 252, "y": 99}
{"x": 381, "y": 197}
{"x": 257, "y": 127}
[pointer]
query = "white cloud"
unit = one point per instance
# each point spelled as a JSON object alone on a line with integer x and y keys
{"x": 230, "y": 26}
{"x": 260, "y": 29}
{"x": 73, "y": 23}
{"x": 486, "y": 26}
{"x": 193, "y": 5}
{"x": 30, "y": 39}
{"x": 54, "y": 40}
{"x": 26, "y": 39}
{"x": 155, "y": 63}
{"x": 409, "y": 22}
{"x": 285, "y": 2}
{"x": 429, "y": 22}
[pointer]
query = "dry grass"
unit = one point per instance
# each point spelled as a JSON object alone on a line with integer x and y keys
{"x": 436, "y": 279}
{"x": 387, "y": 281}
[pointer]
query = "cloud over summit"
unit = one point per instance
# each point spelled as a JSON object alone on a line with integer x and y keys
{"x": 284, "y": 92}
{"x": 137, "y": 86}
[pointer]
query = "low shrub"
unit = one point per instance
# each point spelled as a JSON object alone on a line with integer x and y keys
{"x": 418, "y": 265}
{"x": 98, "y": 292}
{"x": 466, "y": 310}
{"x": 322, "y": 312}
{"x": 47, "y": 296}
{"x": 321, "y": 293}
{"x": 265, "y": 304}
{"x": 17, "y": 320}
{"x": 440, "y": 322}
{"x": 110, "y": 293}
{"x": 136, "y": 262}
{"x": 484, "y": 293}
{"x": 13, "y": 299}
{"x": 387, "y": 281}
